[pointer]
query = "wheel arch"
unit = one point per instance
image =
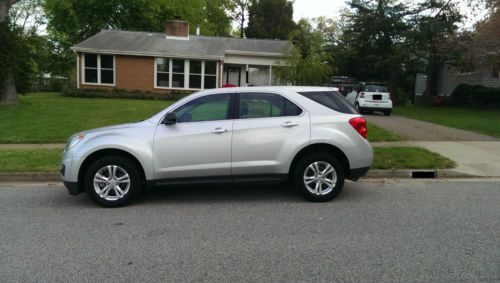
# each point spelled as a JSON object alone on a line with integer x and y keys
{"x": 107, "y": 152}
{"x": 322, "y": 147}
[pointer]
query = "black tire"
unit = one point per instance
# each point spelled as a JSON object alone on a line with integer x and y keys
{"x": 360, "y": 110}
{"x": 114, "y": 198}
{"x": 387, "y": 113}
{"x": 299, "y": 174}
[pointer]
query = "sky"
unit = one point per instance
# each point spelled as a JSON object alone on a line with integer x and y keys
{"x": 316, "y": 8}
{"x": 332, "y": 8}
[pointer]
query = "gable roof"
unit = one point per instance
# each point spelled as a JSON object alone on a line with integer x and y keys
{"x": 157, "y": 44}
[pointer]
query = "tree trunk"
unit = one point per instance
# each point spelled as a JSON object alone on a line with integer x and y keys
{"x": 8, "y": 94}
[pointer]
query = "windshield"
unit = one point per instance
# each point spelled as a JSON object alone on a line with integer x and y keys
{"x": 376, "y": 88}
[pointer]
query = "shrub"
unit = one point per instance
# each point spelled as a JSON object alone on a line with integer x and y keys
{"x": 475, "y": 95}
{"x": 118, "y": 93}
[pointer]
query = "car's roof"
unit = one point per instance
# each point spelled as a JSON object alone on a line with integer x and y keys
{"x": 275, "y": 88}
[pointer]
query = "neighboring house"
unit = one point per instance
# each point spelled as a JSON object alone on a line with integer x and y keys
{"x": 174, "y": 60}
{"x": 450, "y": 76}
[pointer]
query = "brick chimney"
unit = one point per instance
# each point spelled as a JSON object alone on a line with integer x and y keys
{"x": 177, "y": 28}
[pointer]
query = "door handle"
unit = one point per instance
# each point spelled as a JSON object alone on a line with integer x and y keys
{"x": 219, "y": 130}
{"x": 289, "y": 124}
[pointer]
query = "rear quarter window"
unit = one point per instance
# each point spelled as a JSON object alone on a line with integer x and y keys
{"x": 332, "y": 100}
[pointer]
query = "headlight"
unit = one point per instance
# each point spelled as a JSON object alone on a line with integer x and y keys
{"x": 74, "y": 140}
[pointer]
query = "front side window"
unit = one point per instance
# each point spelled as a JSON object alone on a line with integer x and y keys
{"x": 99, "y": 69}
{"x": 207, "y": 108}
{"x": 261, "y": 105}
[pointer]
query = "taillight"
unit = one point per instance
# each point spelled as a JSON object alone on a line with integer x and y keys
{"x": 359, "y": 124}
{"x": 362, "y": 94}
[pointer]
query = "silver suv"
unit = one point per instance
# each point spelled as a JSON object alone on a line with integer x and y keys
{"x": 309, "y": 136}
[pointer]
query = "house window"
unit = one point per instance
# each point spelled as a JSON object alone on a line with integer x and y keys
{"x": 162, "y": 72}
{"x": 195, "y": 74}
{"x": 99, "y": 69}
{"x": 210, "y": 74}
{"x": 496, "y": 71}
{"x": 177, "y": 73}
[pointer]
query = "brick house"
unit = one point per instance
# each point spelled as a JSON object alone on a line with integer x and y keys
{"x": 174, "y": 60}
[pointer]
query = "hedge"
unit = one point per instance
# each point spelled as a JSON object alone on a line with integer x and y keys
{"x": 475, "y": 95}
{"x": 118, "y": 93}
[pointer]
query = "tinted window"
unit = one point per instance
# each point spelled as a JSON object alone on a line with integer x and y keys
{"x": 332, "y": 100}
{"x": 206, "y": 108}
{"x": 376, "y": 88}
{"x": 90, "y": 61}
{"x": 260, "y": 105}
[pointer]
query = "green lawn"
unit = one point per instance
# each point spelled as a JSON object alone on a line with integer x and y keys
{"x": 387, "y": 158}
{"x": 47, "y": 160}
{"x": 32, "y": 160}
{"x": 376, "y": 134}
{"x": 51, "y": 118}
{"x": 486, "y": 121}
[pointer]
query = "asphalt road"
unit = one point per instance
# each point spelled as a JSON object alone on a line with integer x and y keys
{"x": 374, "y": 231}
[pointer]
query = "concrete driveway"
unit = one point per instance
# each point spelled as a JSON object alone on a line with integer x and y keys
{"x": 416, "y": 130}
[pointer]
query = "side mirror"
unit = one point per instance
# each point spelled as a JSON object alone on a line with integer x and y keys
{"x": 169, "y": 119}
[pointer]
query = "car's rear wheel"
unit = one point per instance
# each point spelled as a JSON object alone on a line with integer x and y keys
{"x": 387, "y": 112}
{"x": 113, "y": 181}
{"x": 318, "y": 177}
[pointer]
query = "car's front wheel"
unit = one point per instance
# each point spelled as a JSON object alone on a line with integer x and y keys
{"x": 318, "y": 177}
{"x": 113, "y": 181}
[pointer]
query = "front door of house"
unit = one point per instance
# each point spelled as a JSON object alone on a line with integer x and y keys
{"x": 233, "y": 76}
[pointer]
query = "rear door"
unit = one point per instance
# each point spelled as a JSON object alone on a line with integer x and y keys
{"x": 266, "y": 132}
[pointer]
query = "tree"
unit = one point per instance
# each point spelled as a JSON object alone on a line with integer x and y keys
{"x": 71, "y": 21}
{"x": 272, "y": 19}
{"x": 306, "y": 62}
{"x": 238, "y": 10}
{"x": 8, "y": 94}
{"x": 391, "y": 40}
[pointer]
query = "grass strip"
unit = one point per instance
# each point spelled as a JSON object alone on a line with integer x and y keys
{"x": 390, "y": 158}
{"x": 47, "y": 160}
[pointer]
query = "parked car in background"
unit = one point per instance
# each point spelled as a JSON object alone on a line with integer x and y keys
{"x": 309, "y": 136}
{"x": 344, "y": 84}
{"x": 371, "y": 96}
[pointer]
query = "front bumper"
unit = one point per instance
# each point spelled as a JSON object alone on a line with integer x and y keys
{"x": 69, "y": 173}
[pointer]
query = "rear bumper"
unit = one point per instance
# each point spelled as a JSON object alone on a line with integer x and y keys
{"x": 372, "y": 105}
{"x": 355, "y": 174}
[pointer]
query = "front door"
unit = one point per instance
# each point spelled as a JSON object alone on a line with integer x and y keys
{"x": 199, "y": 144}
{"x": 233, "y": 76}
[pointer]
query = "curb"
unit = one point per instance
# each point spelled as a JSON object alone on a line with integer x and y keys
{"x": 417, "y": 174}
{"x": 30, "y": 177}
{"x": 372, "y": 174}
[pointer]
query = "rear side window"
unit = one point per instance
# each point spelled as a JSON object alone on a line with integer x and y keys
{"x": 260, "y": 105}
{"x": 332, "y": 100}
